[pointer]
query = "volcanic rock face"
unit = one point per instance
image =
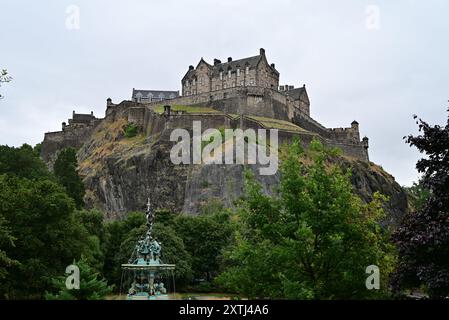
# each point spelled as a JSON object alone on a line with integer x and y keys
{"x": 120, "y": 173}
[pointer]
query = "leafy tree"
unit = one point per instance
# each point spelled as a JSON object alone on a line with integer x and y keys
{"x": 417, "y": 195}
{"x": 204, "y": 237}
{"x": 47, "y": 234}
{"x": 314, "y": 240}
{"x": 22, "y": 162}
{"x": 115, "y": 234}
{"x": 423, "y": 238}
{"x": 67, "y": 174}
{"x": 6, "y": 241}
{"x": 92, "y": 221}
{"x": 91, "y": 287}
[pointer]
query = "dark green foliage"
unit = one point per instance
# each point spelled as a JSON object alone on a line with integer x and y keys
{"x": 92, "y": 221}
{"x": 6, "y": 242}
{"x": 204, "y": 237}
{"x": 40, "y": 234}
{"x": 417, "y": 196}
{"x": 131, "y": 130}
{"x": 314, "y": 241}
{"x": 91, "y": 287}
{"x": 65, "y": 170}
{"x": 47, "y": 235}
{"x": 22, "y": 162}
{"x": 194, "y": 244}
{"x": 423, "y": 238}
{"x": 115, "y": 234}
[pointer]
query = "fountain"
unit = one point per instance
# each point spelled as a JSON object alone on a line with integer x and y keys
{"x": 146, "y": 267}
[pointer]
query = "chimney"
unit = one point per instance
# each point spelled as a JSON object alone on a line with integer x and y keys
{"x": 63, "y": 126}
{"x": 262, "y": 51}
{"x": 109, "y": 101}
{"x": 191, "y": 68}
{"x": 229, "y": 59}
{"x": 73, "y": 113}
{"x": 216, "y": 61}
{"x": 286, "y": 87}
{"x": 273, "y": 66}
{"x": 92, "y": 113}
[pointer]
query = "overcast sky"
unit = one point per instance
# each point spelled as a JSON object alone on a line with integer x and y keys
{"x": 377, "y": 62}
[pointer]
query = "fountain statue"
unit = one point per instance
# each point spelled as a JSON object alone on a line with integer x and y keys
{"x": 146, "y": 267}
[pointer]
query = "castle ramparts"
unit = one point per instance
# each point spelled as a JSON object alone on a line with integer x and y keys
{"x": 242, "y": 93}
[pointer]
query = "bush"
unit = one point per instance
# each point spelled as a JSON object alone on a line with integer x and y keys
{"x": 131, "y": 130}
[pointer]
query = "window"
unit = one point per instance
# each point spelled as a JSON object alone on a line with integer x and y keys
{"x": 224, "y": 86}
{"x": 229, "y": 74}
{"x": 217, "y": 87}
{"x": 247, "y": 70}
{"x": 221, "y": 75}
{"x": 238, "y": 72}
{"x": 201, "y": 81}
{"x": 193, "y": 82}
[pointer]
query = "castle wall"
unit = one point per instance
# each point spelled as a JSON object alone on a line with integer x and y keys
{"x": 73, "y": 137}
{"x": 304, "y": 121}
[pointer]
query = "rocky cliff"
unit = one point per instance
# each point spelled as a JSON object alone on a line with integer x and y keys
{"x": 120, "y": 173}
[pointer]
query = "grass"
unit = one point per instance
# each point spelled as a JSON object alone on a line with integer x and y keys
{"x": 270, "y": 123}
{"x": 188, "y": 109}
{"x": 109, "y": 139}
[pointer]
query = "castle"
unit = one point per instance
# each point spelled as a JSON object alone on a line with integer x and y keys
{"x": 242, "y": 93}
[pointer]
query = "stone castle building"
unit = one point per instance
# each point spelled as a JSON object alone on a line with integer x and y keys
{"x": 252, "y": 71}
{"x": 243, "y": 93}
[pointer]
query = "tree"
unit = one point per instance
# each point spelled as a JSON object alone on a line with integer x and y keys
{"x": 92, "y": 221}
{"x": 4, "y": 77}
{"x": 423, "y": 237}
{"x": 67, "y": 174}
{"x": 313, "y": 241}
{"x": 417, "y": 195}
{"x": 23, "y": 162}
{"x": 90, "y": 286}
{"x": 204, "y": 237}
{"x": 6, "y": 241}
{"x": 116, "y": 232}
{"x": 47, "y": 234}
